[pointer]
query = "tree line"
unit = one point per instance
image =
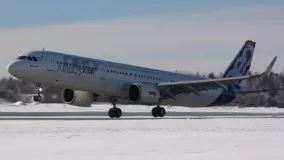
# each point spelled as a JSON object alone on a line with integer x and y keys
{"x": 14, "y": 90}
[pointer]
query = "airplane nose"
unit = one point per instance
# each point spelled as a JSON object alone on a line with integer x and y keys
{"x": 12, "y": 68}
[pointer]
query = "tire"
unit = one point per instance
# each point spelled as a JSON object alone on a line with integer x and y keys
{"x": 111, "y": 113}
{"x": 118, "y": 113}
{"x": 162, "y": 112}
{"x": 39, "y": 98}
{"x": 155, "y": 112}
{"x": 36, "y": 98}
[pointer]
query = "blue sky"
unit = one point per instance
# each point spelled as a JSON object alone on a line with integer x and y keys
{"x": 16, "y": 13}
{"x": 171, "y": 35}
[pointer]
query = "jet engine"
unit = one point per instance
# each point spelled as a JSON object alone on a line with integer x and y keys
{"x": 78, "y": 98}
{"x": 147, "y": 94}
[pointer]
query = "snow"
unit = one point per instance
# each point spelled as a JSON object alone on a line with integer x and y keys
{"x": 210, "y": 139}
{"x": 138, "y": 138}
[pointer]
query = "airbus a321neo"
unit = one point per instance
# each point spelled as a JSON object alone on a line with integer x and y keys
{"x": 83, "y": 80}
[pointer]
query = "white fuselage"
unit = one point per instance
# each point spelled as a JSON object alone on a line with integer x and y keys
{"x": 101, "y": 77}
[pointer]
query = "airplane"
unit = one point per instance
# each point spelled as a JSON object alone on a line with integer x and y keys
{"x": 83, "y": 80}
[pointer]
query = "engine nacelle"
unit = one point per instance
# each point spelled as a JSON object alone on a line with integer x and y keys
{"x": 78, "y": 98}
{"x": 147, "y": 94}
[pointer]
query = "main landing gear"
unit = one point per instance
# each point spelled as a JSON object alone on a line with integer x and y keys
{"x": 117, "y": 113}
{"x": 38, "y": 97}
{"x": 114, "y": 112}
{"x": 158, "y": 111}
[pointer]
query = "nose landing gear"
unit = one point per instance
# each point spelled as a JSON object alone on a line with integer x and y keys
{"x": 38, "y": 97}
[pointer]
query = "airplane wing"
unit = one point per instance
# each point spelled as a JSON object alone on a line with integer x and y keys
{"x": 174, "y": 88}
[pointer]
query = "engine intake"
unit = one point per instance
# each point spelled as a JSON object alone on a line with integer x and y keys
{"x": 147, "y": 94}
{"x": 134, "y": 93}
{"x": 77, "y": 98}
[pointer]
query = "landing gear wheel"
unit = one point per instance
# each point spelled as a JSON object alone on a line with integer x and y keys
{"x": 111, "y": 113}
{"x": 155, "y": 112}
{"x": 158, "y": 112}
{"x": 162, "y": 112}
{"x": 114, "y": 112}
{"x": 118, "y": 113}
{"x": 37, "y": 98}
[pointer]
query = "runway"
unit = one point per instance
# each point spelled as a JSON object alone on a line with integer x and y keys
{"x": 131, "y": 115}
{"x": 57, "y": 131}
{"x": 141, "y": 137}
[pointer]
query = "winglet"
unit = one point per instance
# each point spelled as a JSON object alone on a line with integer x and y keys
{"x": 267, "y": 72}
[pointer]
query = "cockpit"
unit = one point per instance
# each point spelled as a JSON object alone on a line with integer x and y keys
{"x": 25, "y": 65}
{"x": 29, "y": 58}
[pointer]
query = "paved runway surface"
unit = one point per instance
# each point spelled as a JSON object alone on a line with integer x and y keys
{"x": 130, "y": 115}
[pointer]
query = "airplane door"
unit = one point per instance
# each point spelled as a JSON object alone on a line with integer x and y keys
{"x": 50, "y": 63}
{"x": 52, "y": 69}
{"x": 101, "y": 77}
{"x": 102, "y": 72}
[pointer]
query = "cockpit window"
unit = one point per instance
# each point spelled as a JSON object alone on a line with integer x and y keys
{"x": 22, "y": 57}
{"x": 29, "y": 58}
{"x": 34, "y": 59}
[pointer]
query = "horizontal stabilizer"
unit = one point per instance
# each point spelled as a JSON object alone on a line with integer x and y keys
{"x": 258, "y": 91}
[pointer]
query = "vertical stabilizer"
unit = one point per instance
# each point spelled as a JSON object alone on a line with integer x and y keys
{"x": 240, "y": 66}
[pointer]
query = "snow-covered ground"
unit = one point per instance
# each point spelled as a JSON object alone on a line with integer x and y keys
{"x": 165, "y": 139}
{"x": 134, "y": 139}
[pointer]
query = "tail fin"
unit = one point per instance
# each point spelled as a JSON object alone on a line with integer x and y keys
{"x": 242, "y": 62}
